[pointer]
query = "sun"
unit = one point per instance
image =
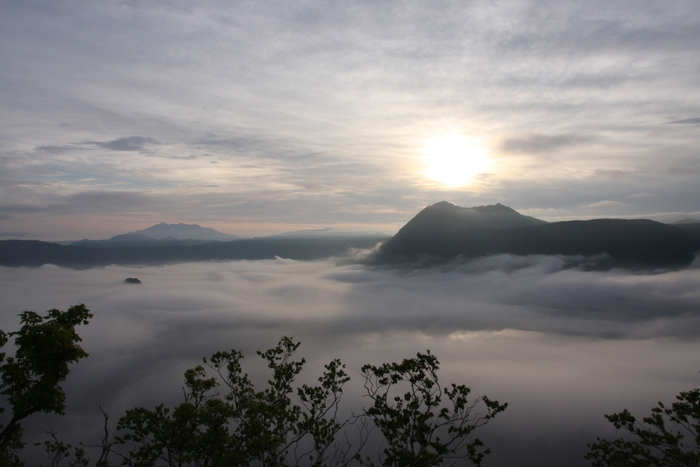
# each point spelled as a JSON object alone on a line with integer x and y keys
{"x": 454, "y": 160}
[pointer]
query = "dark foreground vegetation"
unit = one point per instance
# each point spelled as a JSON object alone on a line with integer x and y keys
{"x": 224, "y": 420}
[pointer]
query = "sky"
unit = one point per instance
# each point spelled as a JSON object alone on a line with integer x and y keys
{"x": 257, "y": 118}
{"x": 563, "y": 347}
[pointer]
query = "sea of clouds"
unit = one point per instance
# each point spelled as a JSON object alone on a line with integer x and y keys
{"x": 561, "y": 345}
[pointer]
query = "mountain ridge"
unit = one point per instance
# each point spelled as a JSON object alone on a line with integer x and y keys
{"x": 496, "y": 216}
{"x": 193, "y": 234}
{"x": 34, "y": 253}
{"x": 183, "y": 231}
{"x": 438, "y": 233}
{"x": 442, "y": 232}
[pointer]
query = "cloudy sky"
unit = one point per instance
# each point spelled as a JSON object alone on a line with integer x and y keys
{"x": 263, "y": 117}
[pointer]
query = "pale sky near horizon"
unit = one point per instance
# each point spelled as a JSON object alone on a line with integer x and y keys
{"x": 261, "y": 117}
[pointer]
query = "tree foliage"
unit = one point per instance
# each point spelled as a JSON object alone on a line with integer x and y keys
{"x": 280, "y": 425}
{"x": 427, "y": 425}
{"x": 225, "y": 420}
{"x": 669, "y": 437}
{"x": 31, "y": 379}
{"x": 285, "y": 425}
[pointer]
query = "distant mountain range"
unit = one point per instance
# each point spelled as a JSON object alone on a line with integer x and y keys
{"x": 162, "y": 235}
{"x": 36, "y": 253}
{"x": 443, "y": 231}
{"x": 192, "y": 234}
{"x": 184, "y": 232}
{"x": 328, "y": 232}
{"x": 174, "y": 243}
{"x": 687, "y": 220}
{"x": 438, "y": 233}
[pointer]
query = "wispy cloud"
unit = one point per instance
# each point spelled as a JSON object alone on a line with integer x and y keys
{"x": 130, "y": 143}
{"x": 605, "y": 203}
{"x": 640, "y": 195}
{"x": 542, "y": 144}
{"x": 324, "y": 108}
{"x": 57, "y": 149}
{"x": 687, "y": 121}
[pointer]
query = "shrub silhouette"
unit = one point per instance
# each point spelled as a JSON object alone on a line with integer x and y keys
{"x": 284, "y": 425}
{"x": 225, "y": 420}
{"x": 427, "y": 425}
{"x": 669, "y": 437}
{"x": 242, "y": 426}
{"x": 30, "y": 380}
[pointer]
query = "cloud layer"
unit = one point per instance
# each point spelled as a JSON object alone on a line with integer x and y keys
{"x": 261, "y": 118}
{"x": 562, "y": 346}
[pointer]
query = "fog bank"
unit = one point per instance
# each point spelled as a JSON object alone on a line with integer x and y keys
{"x": 561, "y": 346}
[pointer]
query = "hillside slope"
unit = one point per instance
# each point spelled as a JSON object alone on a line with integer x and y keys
{"x": 440, "y": 233}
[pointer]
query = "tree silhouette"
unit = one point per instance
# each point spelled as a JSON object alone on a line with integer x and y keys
{"x": 427, "y": 425}
{"x": 281, "y": 425}
{"x": 669, "y": 437}
{"x": 30, "y": 380}
{"x": 225, "y": 421}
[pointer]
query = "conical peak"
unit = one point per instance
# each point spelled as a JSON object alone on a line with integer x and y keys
{"x": 490, "y": 208}
{"x": 489, "y": 216}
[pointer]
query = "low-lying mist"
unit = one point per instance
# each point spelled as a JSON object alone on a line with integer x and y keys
{"x": 562, "y": 346}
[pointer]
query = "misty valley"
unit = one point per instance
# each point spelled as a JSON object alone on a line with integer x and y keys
{"x": 563, "y": 323}
{"x": 223, "y": 241}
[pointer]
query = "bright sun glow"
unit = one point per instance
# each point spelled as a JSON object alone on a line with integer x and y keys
{"x": 454, "y": 160}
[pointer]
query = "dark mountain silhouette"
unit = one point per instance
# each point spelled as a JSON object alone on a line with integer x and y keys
{"x": 327, "y": 233}
{"x": 137, "y": 240}
{"x": 444, "y": 231}
{"x": 443, "y": 222}
{"x": 689, "y": 226}
{"x": 37, "y": 253}
{"x": 192, "y": 234}
{"x": 162, "y": 235}
{"x": 184, "y": 232}
{"x": 439, "y": 233}
{"x": 687, "y": 220}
